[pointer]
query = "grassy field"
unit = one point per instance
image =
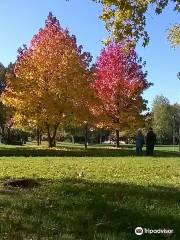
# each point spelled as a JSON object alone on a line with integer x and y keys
{"x": 65, "y": 149}
{"x": 99, "y": 194}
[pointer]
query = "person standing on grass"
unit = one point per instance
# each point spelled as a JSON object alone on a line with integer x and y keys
{"x": 150, "y": 142}
{"x": 139, "y": 143}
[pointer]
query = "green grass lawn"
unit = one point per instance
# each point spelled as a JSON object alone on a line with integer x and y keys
{"x": 65, "y": 149}
{"x": 89, "y": 196}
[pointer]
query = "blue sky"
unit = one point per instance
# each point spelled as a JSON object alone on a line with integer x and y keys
{"x": 20, "y": 21}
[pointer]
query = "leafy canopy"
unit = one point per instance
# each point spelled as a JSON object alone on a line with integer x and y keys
{"x": 174, "y": 36}
{"x": 119, "y": 84}
{"x": 127, "y": 19}
{"x": 49, "y": 77}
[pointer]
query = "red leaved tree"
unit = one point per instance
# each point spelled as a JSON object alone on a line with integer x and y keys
{"x": 119, "y": 84}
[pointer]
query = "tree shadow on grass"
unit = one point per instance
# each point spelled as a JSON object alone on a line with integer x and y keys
{"x": 78, "y": 209}
{"x": 78, "y": 152}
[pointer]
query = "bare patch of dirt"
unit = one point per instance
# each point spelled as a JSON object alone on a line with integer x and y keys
{"x": 21, "y": 183}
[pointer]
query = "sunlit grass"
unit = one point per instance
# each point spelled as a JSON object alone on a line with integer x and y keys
{"x": 90, "y": 198}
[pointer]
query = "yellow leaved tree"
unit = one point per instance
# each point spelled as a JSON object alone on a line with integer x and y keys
{"x": 51, "y": 79}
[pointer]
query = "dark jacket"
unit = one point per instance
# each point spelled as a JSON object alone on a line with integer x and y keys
{"x": 139, "y": 140}
{"x": 150, "y": 138}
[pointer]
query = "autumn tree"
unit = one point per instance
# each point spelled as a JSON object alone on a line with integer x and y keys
{"x": 174, "y": 38}
{"x": 86, "y": 117}
{"x": 51, "y": 78}
{"x": 119, "y": 84}
{"x": 127, "y": 19}
{"x": 174, "y": 35}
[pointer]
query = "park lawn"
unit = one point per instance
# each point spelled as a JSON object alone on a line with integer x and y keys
{"x": 90, "y": 198}
{"x": 66, "y": 149}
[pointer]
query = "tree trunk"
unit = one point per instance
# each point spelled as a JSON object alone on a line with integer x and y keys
{"x": 72, "y": 139}
{"x": 51, "y": 142}
{"x": 117, "y": 138}
{"x": 38, "y": 137}
{"x": 52, "y": 136}
{"x": 86, "y": 136}
{"x": 100, "y": 137}
{"x": 9, "y": 136}
{"x": 2, "y": 133}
